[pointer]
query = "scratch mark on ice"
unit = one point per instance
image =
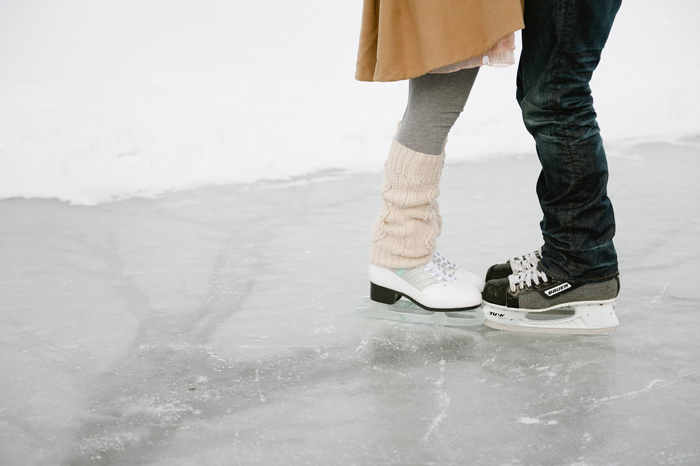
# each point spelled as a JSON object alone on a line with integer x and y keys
{"x": 257, "y": 383}
{"x": 656, "y": 300}
{"x": 605, "y": 400}
{"x": 536, "y": 420}
{"x": 42, "y": 343}
{"x": 291, "y": 346}
{"x": 646, "y": 389}
{"x": 443, "y": 401}
{"x": 632, "y": 393}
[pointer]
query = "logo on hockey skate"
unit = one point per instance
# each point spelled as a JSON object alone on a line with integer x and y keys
{"x": 496, "y": 314}
{"x": 557, "y": 289}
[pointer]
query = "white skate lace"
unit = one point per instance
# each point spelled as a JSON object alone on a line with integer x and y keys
{"x": 525, "y": 262}
{"x": 443, "y": 262}
{"x": 437, "y": 272}
{"x": 526, "y": 278}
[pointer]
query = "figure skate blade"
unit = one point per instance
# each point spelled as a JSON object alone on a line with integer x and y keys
{"x": 579, "y": 318}
{"x": 406, "y": 311}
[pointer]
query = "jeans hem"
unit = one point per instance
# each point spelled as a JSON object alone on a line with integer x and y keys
{"x": 577, "y": 280}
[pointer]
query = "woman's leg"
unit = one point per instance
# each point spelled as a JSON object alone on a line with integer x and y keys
{"x": 435, "y": 101}
{"x": 405, "y": 234}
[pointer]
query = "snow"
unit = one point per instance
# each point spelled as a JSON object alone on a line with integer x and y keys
{"x": 101, "y": 102}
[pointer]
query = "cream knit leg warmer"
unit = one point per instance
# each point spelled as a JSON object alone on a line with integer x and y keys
{"x": 409, "y": 223}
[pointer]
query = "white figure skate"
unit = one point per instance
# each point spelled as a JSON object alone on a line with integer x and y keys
{"x": 430, "y": 296}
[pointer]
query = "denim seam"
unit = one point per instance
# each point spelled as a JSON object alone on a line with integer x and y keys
{"x": 565, "y": 17}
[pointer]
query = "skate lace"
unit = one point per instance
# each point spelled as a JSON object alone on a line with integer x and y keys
{"x": 437, "y": 272}
{"x": 526, "y": 278}
{"x": 525, "y": 262}
{"x": 443, "y": 262}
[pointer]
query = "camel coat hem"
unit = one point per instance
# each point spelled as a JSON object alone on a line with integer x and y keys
{"x": 403, "y": 39}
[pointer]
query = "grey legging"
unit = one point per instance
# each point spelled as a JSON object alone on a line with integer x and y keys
{"x": 434, "y": 104}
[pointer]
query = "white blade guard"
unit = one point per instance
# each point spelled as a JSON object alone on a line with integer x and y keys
{"x": 581, "y": 318}
{"x": 405, "y": 311}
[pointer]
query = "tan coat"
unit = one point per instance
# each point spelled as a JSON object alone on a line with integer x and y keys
{"x": 402, "y": 39}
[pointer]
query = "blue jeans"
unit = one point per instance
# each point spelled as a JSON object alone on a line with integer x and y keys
{"x": 562, "y": 43}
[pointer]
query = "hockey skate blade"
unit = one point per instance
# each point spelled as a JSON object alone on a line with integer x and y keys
{"x": 581, "y": 319}
{"x": 406, "y": 311}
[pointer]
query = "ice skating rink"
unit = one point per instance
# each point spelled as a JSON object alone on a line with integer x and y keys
{"x": 216, "y": 327}
{"x": 165, "y": 301}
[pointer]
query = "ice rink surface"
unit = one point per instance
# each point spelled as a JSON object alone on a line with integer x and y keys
{"x": 217, "y": 327}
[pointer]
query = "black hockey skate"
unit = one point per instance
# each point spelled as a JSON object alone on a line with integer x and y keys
{"x": 514, "y": 265}
{"x": 532, "y": 301}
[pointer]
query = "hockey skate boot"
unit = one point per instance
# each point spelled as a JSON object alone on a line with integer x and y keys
{"x": 433, "y": 296}
{"x": 514, "y": 265}
{"x": 532, "y": 301}
{"x": 460, "y": 273}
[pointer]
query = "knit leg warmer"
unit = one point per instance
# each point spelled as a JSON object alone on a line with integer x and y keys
{"x": 405, "y": 234}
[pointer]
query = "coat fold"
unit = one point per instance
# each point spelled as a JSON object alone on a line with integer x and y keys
{"x": 403, "y": 39}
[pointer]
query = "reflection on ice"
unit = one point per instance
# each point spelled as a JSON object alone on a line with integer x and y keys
{"x": 406, "y": 311}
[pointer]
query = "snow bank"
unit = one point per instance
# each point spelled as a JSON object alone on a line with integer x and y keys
{"x": 109, "y": 101}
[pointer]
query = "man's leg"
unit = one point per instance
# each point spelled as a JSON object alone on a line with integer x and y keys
{"x": 562, "y": 44}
